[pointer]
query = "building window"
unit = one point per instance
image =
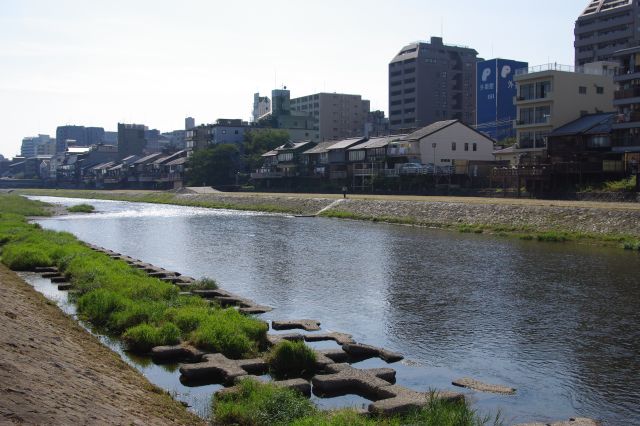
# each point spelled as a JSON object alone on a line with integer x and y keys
{"x": 237, "y": 132}
{"x": 466, "y": 146}
{"x": 475, "y": 146}
{"x": 599, "y": 90}
{"x": 582, "y": 90}
{"x": 453, "y": 146}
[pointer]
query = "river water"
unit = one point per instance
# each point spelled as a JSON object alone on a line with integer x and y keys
{"x": 559, "y": 322}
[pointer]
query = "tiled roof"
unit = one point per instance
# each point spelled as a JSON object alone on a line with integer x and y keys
{"x": 431, "y": 129}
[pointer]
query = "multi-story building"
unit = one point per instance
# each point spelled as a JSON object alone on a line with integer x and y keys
{"x": 495, "y": 91}
{"x": 339, "y": 116}
{"x": 189, "y": 123}
{"x": 430, "y": 82}
{"x": 377, "y": 124}
{"x": 131, "y": 139}
{"x": 261, "y": 106}
{"x": 605, "y": 27}
{"x": 223, "y": 131}
{"x": 300, "y": 125}
{"x": 37, "y": 145}
{"x": 80, "y": 135}
{"x": 552, "y": 95}
{"x": 626, "y": 127}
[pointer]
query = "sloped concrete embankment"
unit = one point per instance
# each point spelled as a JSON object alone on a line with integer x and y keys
{"x": 538, "y": 218}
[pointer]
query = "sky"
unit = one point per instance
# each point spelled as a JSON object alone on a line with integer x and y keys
{"x": 155, "y": 62}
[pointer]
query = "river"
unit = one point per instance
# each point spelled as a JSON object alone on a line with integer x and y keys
{"x": 559, "y": 322}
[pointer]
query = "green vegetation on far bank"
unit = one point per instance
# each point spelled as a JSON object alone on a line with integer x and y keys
{"x": 263, "y": 404}
{"x": 157, "y": 198}
{"x": 81, "y": 208}
{"x": 124, "y": 301}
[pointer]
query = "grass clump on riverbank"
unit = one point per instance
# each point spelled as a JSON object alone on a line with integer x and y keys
{"x": 265, "y": 404}
{"x": 81, "y": 208}
{"x": 122, "y": 300}
{"x": 291, "y": 360}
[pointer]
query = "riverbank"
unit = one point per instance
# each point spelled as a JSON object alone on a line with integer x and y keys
{"x": 601, "y": 223}
{"x": 55, "y": 372}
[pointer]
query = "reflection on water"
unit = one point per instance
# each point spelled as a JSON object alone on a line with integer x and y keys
{"x": 558, "y": 322}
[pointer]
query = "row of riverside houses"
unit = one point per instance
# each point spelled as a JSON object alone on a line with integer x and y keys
{"x": 98, "y": 166}
{"x": 449, "y": 148}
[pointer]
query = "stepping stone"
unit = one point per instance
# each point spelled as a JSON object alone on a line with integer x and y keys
{"x": 50, "y": 274}
{"x": 65, "y": 286}
{"x": 182, "y": 286}
{"x": 398, "y": 400}
{"x": 336, "y": 355}
{"x": 305, "y": 324}
{"x": 45, "y": 269}
{"x": 58, "y": 279}
{"x": 255, "y": 310}
{"x": 298, "y": 385}
{"x": 176, "y": 353}
{"x": 345, "y": 379}
{"x": 225, "y": 301}
{"x": 467, "y": 382}
{"x": 322, "y": 361}
{"x": 212, "y": 293}
{"x": 578, "y": 421}
{"x": 339, "y": 338}
{"x": 274, "y": 339}
{"x": 362, "y": 351}
{"x": 161, "y": 274}
{"x": 217, "y": 367}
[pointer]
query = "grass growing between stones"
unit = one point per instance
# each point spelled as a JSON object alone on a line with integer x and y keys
{"x": 81, "y": 208}
{"x": 262, "y": 404}
{"x": 124, "y": 301}
{"x": 291, "y": 360}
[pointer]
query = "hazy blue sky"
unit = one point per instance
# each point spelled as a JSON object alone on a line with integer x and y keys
{"x": 92, "y": 62}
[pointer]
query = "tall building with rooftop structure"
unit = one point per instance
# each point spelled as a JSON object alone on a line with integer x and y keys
{"x": 339, "y": 115}
{"x": 551, "y": 95}
{"x": 626, "y": 127}
{"x": 605, "y": 27}
{"x": 261, "y": 106}
{"x": 430, "y": 82}
{"x": 131, "y": 139}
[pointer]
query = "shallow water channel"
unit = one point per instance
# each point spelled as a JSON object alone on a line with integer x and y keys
{"x": 559, "y": 322}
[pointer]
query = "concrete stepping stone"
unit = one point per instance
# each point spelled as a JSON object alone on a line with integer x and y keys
{"x": 45, "y": 269}
{"x": 255, "y": 310}
{"x": 58, "y": 279}
{"x": 470, "y": 383}
{"x": 161, "y": 274}
{"x": 304, "y": 324}
{"x": 322, "y": 361}
{"x": 176, "y": 353}
{"x": 299, "y": 385}
{"x": 336, "y": 355}
{"x": 65, "y": 286}
{"x": 50, "y": 274}
{"x": 274, "y": 339}
{"x": 217, "y": 367}
{"x": 362, "y": 351}
{"x": 396, "y": 399}
{"x": 212, "y": 293}
{"x": 339, "y": 338}
{"x": 578, "y": 421}
{"x": 345, "y": 379}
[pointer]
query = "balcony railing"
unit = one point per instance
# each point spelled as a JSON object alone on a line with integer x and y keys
{"x": 400, "y": 152}
{"x": 266, "y": 175}
{"x": 627, "y": 93}
{"x": 338, "y": 175}
{"x": 629, "y": 117}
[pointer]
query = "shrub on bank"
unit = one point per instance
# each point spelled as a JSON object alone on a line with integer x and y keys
{"x": 81, "y": 208}
{"x": 259, "y": 404}
{"x": 291, "y": 359}
{"x": 205, "y": 284}
{"x": 262, "y": 404}
{"x": 143, "y": 337}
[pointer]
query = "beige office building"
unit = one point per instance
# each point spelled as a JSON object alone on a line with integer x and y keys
{"x": 339, "y": 116}
{"x": 552, "y": 95}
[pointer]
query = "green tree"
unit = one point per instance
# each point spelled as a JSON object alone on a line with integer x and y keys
{"x": 216, "y": 165}
{"x": 259, "y": 141}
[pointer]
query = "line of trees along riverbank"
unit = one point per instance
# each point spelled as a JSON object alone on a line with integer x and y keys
{"x": 146, "y": 312}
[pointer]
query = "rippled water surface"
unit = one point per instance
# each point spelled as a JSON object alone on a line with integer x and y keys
{"x": 559, "y": 322}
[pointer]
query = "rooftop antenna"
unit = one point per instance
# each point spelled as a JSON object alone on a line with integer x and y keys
{"x": 442, "y": 27}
